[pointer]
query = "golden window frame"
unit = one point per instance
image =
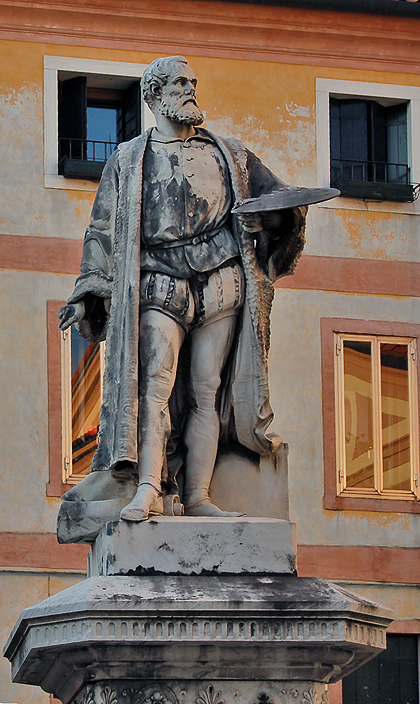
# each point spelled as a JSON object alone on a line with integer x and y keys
{"x": 378, "y": 400}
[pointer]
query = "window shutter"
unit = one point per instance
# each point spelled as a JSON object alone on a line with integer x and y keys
{"x": 129, "y": 122}
{"x": 397, "y": 143}
{"x": 354, "y": 138}
{"x": 72, "y": 121}
{"x": 378, "y": 149}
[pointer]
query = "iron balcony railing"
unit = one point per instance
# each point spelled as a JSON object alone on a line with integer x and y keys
{"x": 85, "y": 149}
{"x": 376, "y": 171}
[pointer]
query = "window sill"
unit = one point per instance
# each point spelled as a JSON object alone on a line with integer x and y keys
{"x": 69, "y": 184}
{"x": 372, "y": 206}
{"x": 351, "y": 503}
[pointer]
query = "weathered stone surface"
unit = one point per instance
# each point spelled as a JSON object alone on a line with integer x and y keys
{"x": 88, "y": 506}
{"x": 202, "y": 692}
{"x": 227, "y": 627}
{"x": 189, "y": 545}
{"x": 264, "y": 481}
{"x": 82, "y": 521}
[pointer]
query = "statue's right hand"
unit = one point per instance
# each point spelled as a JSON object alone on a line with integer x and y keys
{"x": 71, "y": 314}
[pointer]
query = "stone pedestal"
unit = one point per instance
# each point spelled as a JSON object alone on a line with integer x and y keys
{"x": 170, "y": 545}
{"x": 201, "y": 620}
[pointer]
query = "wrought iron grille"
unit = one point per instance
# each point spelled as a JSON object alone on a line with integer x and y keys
{"x": 85, "y": 149}
{"x": 376, "y": 171}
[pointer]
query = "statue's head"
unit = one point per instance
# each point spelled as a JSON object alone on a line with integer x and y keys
{"x": 168, "y": 86}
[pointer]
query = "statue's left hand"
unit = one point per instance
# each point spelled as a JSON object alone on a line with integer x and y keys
{"x": 251, "y": 222}
{"x": 70, "y": 314}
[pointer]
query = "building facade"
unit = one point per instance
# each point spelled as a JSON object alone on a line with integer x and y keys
{"x": 325, "y": 93}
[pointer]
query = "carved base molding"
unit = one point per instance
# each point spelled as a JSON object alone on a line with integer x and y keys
{"x": 202, "y": 692}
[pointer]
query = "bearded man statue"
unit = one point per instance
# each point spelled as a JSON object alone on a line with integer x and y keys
{"x": 181, "y": 289}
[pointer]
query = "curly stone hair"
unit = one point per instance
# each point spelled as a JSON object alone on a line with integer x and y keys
{"x": 156, "y": 76}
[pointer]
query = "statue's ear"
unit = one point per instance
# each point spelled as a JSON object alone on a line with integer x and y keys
{"x": 156, "y": 90}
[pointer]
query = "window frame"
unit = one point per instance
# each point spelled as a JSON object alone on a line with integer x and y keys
{"x": 54, "y": 64}
{"x": 354, "y": 501}
{"x": 376, "y": 340}
{"x": 58, "y": 401}
{"x": 327, "y": 88}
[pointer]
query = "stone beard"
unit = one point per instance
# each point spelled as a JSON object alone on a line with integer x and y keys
{"x": 180, "y": 110}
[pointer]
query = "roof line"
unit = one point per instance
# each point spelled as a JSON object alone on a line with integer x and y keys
{"x": 402, "y": 8}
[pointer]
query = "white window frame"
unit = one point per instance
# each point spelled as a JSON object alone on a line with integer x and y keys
{"x": 379, "y": 491}
{"x": 326, "y": 88}
{"x": 66, "y": 409}
{"x": 54, "y": 64}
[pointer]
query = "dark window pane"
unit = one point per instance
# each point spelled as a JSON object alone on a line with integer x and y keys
{"x": 377, "y": 142}
{"x": 358, "y": 414}
{"x": 368, "y": 143}
{"x": 354, "y": 138}
{"x": 101, "y": 127}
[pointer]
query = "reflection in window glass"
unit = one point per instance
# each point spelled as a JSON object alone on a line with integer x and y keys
{"x": 85, "y": 400}
{"x": 358, "y": 414}
{"x": 395, "y": 416}
{"x": 101, "y": 127}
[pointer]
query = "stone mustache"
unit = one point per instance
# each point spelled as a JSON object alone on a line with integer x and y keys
{"x": 181, "y": 289}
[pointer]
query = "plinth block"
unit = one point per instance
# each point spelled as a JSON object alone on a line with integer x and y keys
{"x": 188, "y": 545}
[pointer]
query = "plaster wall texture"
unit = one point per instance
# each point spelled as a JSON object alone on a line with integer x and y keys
{"x": 24, "y": 418}
{"x": 363, "y": 235}
{"x": 296, "y": 397}
{"x": 28, "y": 208}
{"x": 17, "y": 591}
{"x": 404, "y": 600}
{"x": 274, "y": 116}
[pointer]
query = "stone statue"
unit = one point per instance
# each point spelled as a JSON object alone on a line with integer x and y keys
{"x": 181, "y": 289}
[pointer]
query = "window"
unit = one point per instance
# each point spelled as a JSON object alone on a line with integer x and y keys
{"x": 388, "y": 119}
{"x": 369, "y": 152}
{"x": 92, "y": 121}
{"x": 370, "y": 386}
{"x": 376, "y": 416}
{"x": 390, "y": 678}
{"x": 89, "y": 107}
{"x": 82, "y": 365}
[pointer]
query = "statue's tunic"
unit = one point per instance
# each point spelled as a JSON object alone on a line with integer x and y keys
{"x": 110, "y": 269}
{"x": 186, "y": 194}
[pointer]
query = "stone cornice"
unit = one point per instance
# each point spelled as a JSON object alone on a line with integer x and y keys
{"x": 224, "y": 29}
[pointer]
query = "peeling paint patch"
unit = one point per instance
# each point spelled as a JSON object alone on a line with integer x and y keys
{"x": 283, "y": 149}
{"x": 299, "y": 110}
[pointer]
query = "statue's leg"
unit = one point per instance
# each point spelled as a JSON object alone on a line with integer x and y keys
{"x": 210, "y": 346}
{"x": 160, "y": 338}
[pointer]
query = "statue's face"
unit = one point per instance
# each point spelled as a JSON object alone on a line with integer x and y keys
{"x": 177, "y": 100}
